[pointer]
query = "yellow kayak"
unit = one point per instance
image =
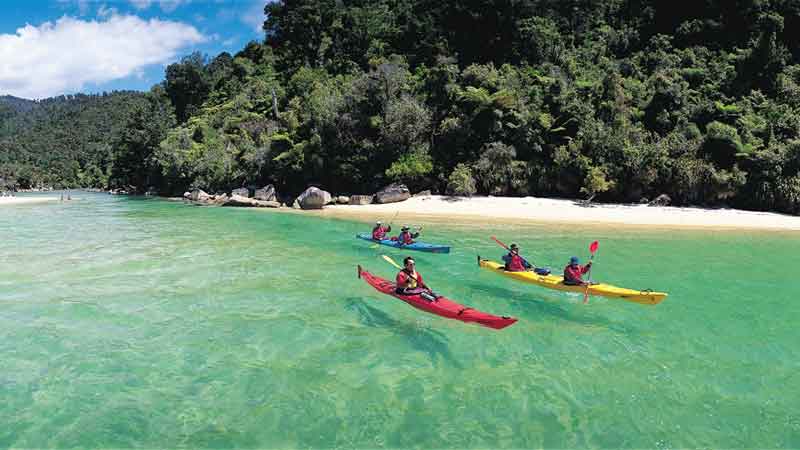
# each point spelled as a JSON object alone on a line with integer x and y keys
{"x": 646, "y": 297}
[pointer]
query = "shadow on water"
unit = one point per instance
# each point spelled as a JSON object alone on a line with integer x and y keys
{"x": 535, "y": 305}
{"x": 432, "y": 342}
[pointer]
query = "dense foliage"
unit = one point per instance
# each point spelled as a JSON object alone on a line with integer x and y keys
{"x": 63, "y": 141}
{"x": 620, "y": 99}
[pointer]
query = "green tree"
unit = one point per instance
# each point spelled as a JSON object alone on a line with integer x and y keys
{"x": 596, "y": 182}
{"x": 461, "y": 181}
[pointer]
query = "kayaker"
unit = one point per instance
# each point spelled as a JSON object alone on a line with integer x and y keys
{"x": 514, "y": 262}
{"x": 379, "y": 232}
{"x": 409, "y": 281}
{"x": 574, "y": 271}
{"x": 406, "y": 237}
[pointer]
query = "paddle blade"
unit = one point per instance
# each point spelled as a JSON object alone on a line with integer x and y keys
{"x": 391, "y": 261}
{"x": 593, "y": 247}
{"x": 498, "y": 241}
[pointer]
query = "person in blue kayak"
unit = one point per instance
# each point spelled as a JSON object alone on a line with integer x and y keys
{"x": 573, "y": 273}
{"x": 406, "y": 237}
{"x": 379, "y": 232}
{"x": 514, "y": 262}
{"x": 409, "y": 281}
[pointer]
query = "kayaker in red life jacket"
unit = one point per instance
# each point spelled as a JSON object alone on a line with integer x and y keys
{"x": 409, "y": 281}
{"x": 514, "y": 262}
{"x": 406, "y": 237}
{"x": 379, "y": 232}
{"x": 574, "y": 271}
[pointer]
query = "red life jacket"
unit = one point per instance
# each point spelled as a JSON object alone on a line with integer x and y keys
{"x": 403, "y": 277}
{"x": 574, "y": 273}
{"x": 516, "y": 264}
{"x": 406, "y": 238}
{"x": 379, "y": 233}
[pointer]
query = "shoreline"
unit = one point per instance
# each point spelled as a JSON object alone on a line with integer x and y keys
{"x": 534, "y": 210}
{"x": 26, "y": 200}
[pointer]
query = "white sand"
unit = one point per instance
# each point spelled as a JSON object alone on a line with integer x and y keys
{"x": 532, "y": 209}
{"x": 25, "y": 200}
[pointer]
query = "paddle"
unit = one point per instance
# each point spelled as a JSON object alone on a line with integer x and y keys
{"x": 507, "y": 248}
{"x": 391, "y": 261}
{"x": 592, "y": 249}
{"x": 395, "y": 217}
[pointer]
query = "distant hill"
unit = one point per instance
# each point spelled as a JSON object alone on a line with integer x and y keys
{"x": 62, "y": 141}
{"x": 17, "y": 104}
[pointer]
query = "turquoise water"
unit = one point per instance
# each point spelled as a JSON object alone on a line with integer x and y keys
{"x": 146, "y": 323}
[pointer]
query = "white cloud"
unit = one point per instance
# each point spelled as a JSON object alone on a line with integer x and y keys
{"x": 55, "y": 58}
{"x": 141, "y": 4}
{"x": 171, "y": 5}
{"x": 83, "y": 5}
{"x": 105, "y": 12}
{"x": 253, "y": 16}
{"x": 230, "y": 41}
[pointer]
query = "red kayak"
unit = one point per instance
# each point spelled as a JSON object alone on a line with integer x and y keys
{"x": 441, "y": 306}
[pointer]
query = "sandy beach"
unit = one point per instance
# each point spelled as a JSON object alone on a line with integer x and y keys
{"x": 25, "y": 200}
{"x": 544, "y": 210}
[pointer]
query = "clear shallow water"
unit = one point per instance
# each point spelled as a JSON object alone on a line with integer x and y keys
{"x": 146, "y": 323}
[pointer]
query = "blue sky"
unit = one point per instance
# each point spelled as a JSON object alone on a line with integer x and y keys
{"x": 66, "y": 46}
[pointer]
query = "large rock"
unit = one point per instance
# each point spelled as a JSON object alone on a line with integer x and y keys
{"x": 220, "y": 200}
{"x": 267, "y": 194}
{"x": 342, "y": 199}
{"x": 393, "y": 193}
{"x": 241, "y": 192}
{"x": 199, "y": 195}
{"x": 661, "y": 200}
{"x": 314, "y": 198}
{"x": 187, "y": 195}
{"x": 239, "y": 200}
{"x": 361, "y": 199}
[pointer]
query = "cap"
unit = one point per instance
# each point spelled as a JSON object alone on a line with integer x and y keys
{"x": 574, "y": 260}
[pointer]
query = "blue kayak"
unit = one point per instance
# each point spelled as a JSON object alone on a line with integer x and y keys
{"x": 419, "y": 246}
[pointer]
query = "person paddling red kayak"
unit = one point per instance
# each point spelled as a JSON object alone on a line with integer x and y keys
{"x": 409, "y": 281}
{"x": 434, "y": 304}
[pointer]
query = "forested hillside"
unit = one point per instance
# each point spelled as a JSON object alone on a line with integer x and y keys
{"x": 624, "y": 99}
{"x": 62, "y": 141}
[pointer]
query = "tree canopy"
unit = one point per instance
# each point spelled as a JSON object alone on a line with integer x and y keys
{"x": 621, "y": 100}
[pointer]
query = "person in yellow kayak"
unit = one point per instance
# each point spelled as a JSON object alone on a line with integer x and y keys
{"x": 409, "y": 281}
{"x": 515, "y": 262}
{"x": 573, "y": 273}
